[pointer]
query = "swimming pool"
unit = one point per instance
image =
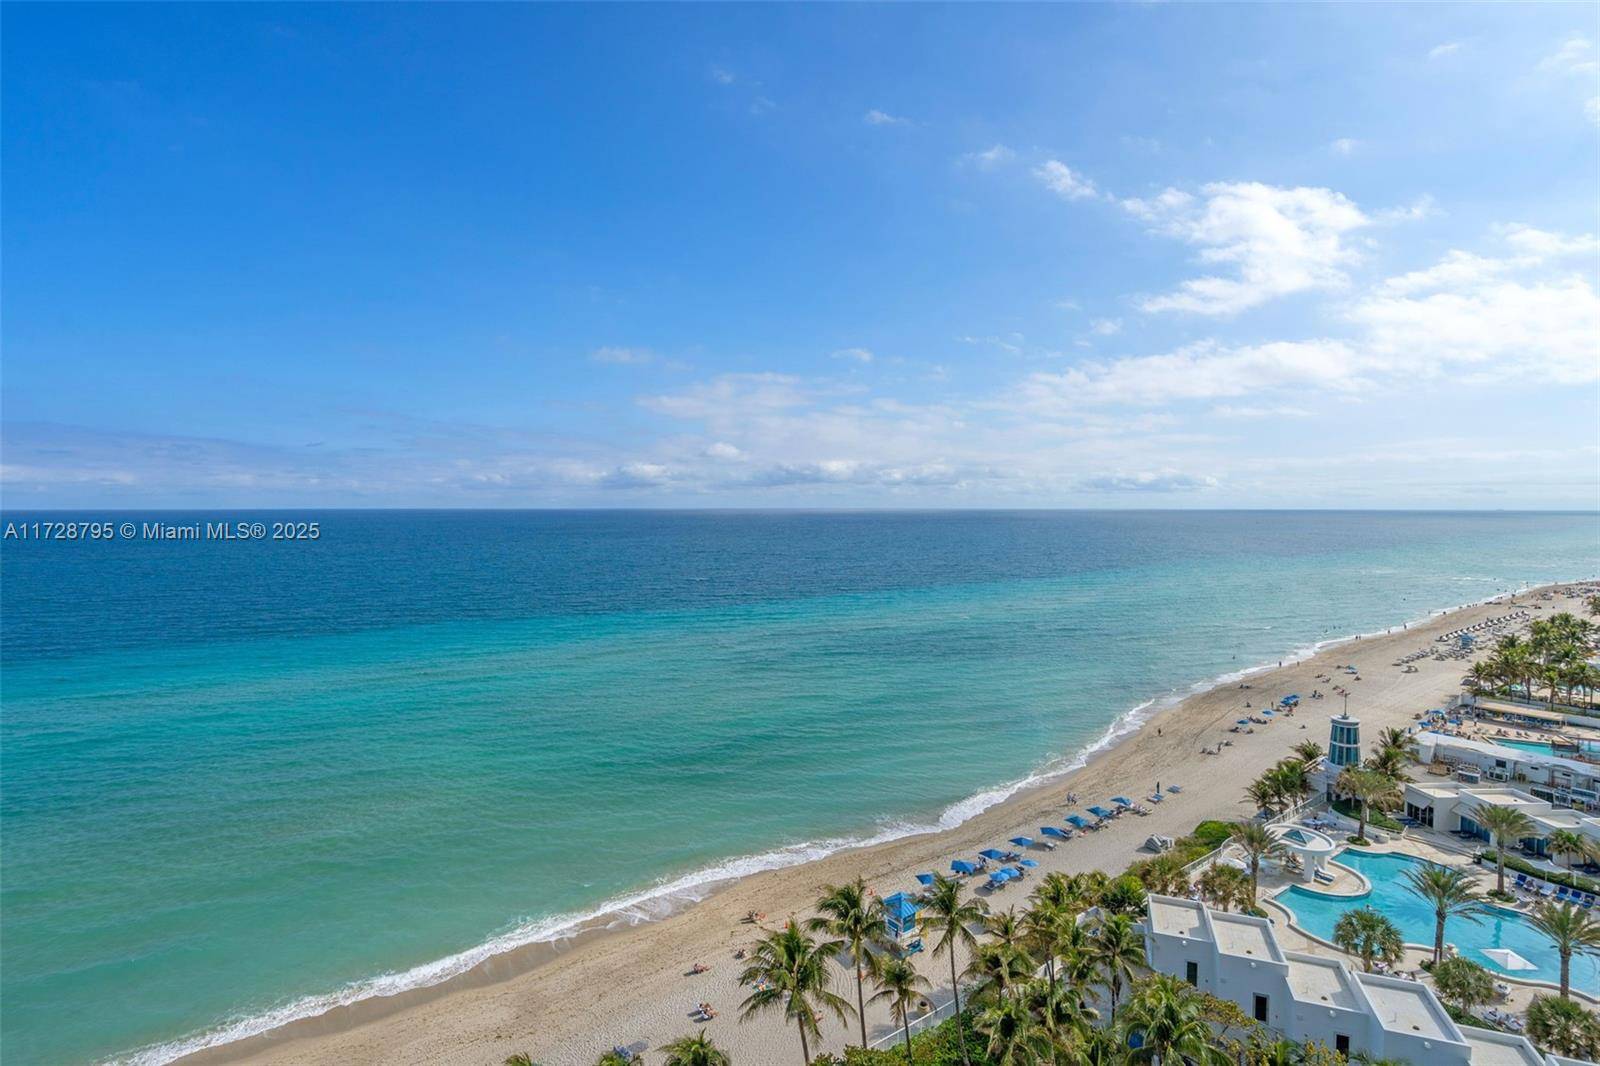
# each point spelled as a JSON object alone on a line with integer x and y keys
{"x": 1316, "y": 912}
{"x": 1543, "y": 747}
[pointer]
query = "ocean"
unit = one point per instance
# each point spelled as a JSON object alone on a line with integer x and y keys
{"x": 243, "y": 780}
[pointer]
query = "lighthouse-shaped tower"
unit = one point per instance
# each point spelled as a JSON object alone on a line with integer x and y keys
{"x": 1344, "y": 742}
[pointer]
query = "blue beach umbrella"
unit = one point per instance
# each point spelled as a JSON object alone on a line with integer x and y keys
{"x": 1014, "y": 871}
{"x": 1122, "y": 801}
{"x": 1078, "y": 820}
{"x": 1022, "y": 842}
{"x": 1242, "y": 721}
{"x": 992, "y": 853}
{"x": 1029, "y": 863}
{"x": 962, "y": 866}
{"x": 1052, "y": 831}
{"x": 926, "y": 879}
{"x": 1099, "y": 812}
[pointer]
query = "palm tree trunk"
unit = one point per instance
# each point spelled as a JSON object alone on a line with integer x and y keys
{"x": 861, "y": 1005}
{"x": 905, "y": 1024}
{"x": 805, "y": 1045}
{"x": 1438, "y": 937}
{"x": 955, "y": 990}
{"x": 1361, "y": 831}
{"x": 1566, "y": 974}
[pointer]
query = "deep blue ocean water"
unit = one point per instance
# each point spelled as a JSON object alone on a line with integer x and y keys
{"x": 244, "y": 780}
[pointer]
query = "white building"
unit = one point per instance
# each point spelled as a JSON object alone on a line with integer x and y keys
{"x": 1546, "y": 775}
{"x": 1452, "y": 807}
{"x": 1312, "y": 998}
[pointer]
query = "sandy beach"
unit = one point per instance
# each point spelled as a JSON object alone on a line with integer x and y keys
{"x": 565, "y": 1004}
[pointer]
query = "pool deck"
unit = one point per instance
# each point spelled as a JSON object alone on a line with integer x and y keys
{"x": 1416, "y": 844}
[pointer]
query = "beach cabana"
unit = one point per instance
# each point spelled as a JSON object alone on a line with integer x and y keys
{"x": 992, "y": 853}
{"x": 1022, "y": 842}
{"x": 1052, "y": 831}
{"x": 927, "y": 879}
{"x": 962, "y": 866}
{"x": 1078, "y": 820}
{"x": 900, "y": 914}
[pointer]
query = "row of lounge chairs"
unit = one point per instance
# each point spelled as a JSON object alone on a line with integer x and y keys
{"x": 1486, "y": 624}
{"x": 1534, "y": 888}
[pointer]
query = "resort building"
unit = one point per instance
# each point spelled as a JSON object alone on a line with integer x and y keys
{"x": 1542, "y": 771}
{"x": 1311, "y": 998}
{"x": 1453, "y": 806}
{"x": 1344, "y": 742}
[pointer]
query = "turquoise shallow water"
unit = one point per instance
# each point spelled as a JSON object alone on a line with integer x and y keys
{"x": 242, "y": 781}
{"x": 1318, "y": 912}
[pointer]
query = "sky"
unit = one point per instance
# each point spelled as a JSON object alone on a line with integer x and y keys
{"x": 828, "y": 256}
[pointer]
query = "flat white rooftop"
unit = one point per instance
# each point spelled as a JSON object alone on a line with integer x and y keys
{"x": 1245, "y": 937}
{"x": 1321, "y": 982}
{"x": 1176, "y": 917}
{"x": 1406, "y": 1007}
{"x": 1500, "y": 1049}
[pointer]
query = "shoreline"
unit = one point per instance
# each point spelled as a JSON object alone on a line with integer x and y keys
{"x": 295, "y": 1033}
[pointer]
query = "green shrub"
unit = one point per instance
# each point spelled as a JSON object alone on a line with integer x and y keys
{"x": 1521, "y": 865}
{"x": 1212, "y": 834}
{"x": 1352, "y": 809}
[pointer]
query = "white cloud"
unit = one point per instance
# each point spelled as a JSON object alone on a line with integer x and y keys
{"x": 875, "y": 117}
{"x": 1063, "y": 180}
{"x": 860, "y": 355}
{"x": 990, "y": 158}
{"x": 1105, "y": 327}
{"x": 1439, "y": 51}
{"x": 722, "y": 450}
{"x": 1278, "y": 240}
{"x": 1575, "y": 56}
{"x": 722, "y": 75}
{"x": 1249, "y": 412}
{"x": 1148, "y": 481}
{"x": 1541, "y": 244}
{"x": 623, "y": 356}
{"x": 1344, "y": 146}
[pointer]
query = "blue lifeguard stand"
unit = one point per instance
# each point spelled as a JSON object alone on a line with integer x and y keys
{"x": 900, "y": 915}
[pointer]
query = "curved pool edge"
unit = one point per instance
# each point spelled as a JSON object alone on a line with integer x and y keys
{"x": 1292, "y": 921}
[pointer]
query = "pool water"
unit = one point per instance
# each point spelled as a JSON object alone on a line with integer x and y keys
{"x": 1543, "y": 747}
{"x": 1317, "y": 912}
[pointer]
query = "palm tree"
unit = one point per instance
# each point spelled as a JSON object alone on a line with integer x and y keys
{"x": 1366, "y": 787}
{"x": 1451, "y": 895}
{"x": 900, "y": 985}
{"x": 1164, "y": 875}
{"x": 1263, "y": 793}
{"x": 1118, "y": 953}
{"x": 613, "y": 1058}
{"x": 857, "y": 918}
{"x": 1061, "y": 1013}
{"x": 1308, "y": 752}
{"x": 1015, "y": 1039}
{"x": 1564, "y": 1027}
{"x": 1369, "y": 936}
{"x": 951, "y": 918}
{"x": 1566, "y": 842}
{"x": 1056, "y": 890}
{"x": 1393, "y": 738}
{"x": 1048, "y": 929}
{"x": 1571, "y": 930}
{"x": 1464, "y": 981}
{"x": 997, "y": 969}
{"x": 1503, "y": 823}
{"x": 521, "y": 1058}
{"x": 1257, "y": 843}
{"x": 1170, "y": 1017}
{"x": 790, "y": 972}
{"x": 1390, "y": 762}
{"x": 694, "y": 1051}
{"x": 1224, "y": 886}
